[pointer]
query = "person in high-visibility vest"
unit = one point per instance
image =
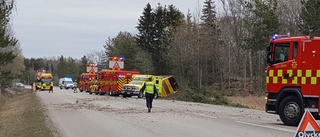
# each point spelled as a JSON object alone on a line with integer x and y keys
{"x": 51, "y": 87}
{"x": 43, "y": 86}
{"x": 150, "y": 91}
{"x": 93, "y": 85}
{"x": 75, "y": 86}
{"x": 39, "y": 85}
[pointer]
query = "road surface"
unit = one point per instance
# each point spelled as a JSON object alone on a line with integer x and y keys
{"x": 83, "y": 115}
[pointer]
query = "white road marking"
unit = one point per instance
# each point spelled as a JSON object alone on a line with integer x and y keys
{"x": 270, "y": 127}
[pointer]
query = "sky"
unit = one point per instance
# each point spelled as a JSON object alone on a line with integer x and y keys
{"x": 73, "y": 28}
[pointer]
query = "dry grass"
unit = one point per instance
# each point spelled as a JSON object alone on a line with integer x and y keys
{"x": 22, "y": 115}
{"x": 253, "y": 102}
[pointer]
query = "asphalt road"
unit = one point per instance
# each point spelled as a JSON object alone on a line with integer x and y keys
{"x": 83, "y": 115}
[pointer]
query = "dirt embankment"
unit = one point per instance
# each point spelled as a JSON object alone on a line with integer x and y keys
{"x": 21, "y": 114}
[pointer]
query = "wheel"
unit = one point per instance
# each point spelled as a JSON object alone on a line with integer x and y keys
{"x": 125, "y": 95}
{"x": 101, "y": 93}
{"x": 291, "y": 111}
{"x": 140, "y": 94}
{"x": 80, "y": 89}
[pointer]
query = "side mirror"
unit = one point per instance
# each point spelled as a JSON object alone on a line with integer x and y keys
{"x": 269, "y": 53}
{"x": 269, "y": 58}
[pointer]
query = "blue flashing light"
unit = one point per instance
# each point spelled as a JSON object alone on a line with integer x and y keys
{"x": 274, "y": 37}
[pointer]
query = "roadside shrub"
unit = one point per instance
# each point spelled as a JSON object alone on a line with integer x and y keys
{"x": 195, "y": 96}
{"x": 219, "y": 99}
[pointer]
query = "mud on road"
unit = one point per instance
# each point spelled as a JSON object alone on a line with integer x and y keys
{"x": 81, "y": 114}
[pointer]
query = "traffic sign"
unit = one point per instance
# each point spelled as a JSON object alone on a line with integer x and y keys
{"x": 308, "y": 126}
{"x": 116, "y": 65}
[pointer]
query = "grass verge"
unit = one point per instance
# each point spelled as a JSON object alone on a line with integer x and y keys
{"x": 253, "y": 102}
{"x": 21, "y": 114}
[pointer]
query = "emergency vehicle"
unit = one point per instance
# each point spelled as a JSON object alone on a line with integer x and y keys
{"x": 84, "y": 81}
{"x": 85, "y": 78}
{"x": 43, "y": 78}
{"x": 133, "y": 88}
{"x": 112, "y": 81}
{"x": 66, "y": 83}
{"x": 292, "y": 77}
{"x": 166, "y": 85}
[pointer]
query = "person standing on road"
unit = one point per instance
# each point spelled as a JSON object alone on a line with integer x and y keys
{"x": 51, "y": 87}
{"x": 43, "y": 87}
{"x": 75, "y": 86}
{"x": 150, "y": 91}
{"x": 33, "y": 88}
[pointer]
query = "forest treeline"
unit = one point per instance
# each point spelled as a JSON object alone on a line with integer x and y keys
{"x": 204, "y": 49}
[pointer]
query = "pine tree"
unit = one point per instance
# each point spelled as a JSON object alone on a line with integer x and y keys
{"x": 208, "y": 57}
{"x": 8, "y": 43}
{"x": 123, "y": 45}
{"x": 154, "y": 36}
{"x": 263, "y": 23}
{"x": 83, "y": 65}
{"x": 145, "y": 27}
{"x": 160, "y": 42}
{"x": 209, "y": 15}
{"x": 61, "y": 71}
{"x": 310, "y": 18}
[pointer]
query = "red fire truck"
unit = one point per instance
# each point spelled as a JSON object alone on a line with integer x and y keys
{"x": 84, "y": 82}
{"x": 292, "y": 77}
{"x": 85, "y": 78}
{"x": 112, "y": 81}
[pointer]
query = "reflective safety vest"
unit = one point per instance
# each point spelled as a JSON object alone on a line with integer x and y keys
{"x": 75, "y": 84}
{"x": 51, "y": 84}
{"x": 43, "y": 85}
{"x": 94, "y": 82}
{"x": 149, "y": 88}
{"x": 91, "y": 82}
